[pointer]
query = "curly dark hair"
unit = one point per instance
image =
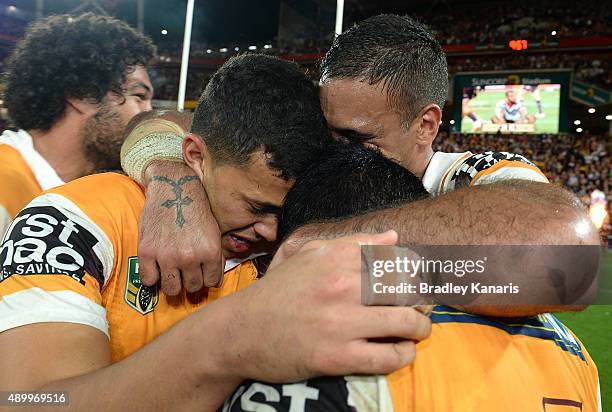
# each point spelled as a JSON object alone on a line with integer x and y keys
{"x": 64, "y": 56}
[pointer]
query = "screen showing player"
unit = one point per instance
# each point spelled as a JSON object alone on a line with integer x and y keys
{"x": 511, "y": 109}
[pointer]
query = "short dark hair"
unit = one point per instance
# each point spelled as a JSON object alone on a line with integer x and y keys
{"x": 349, "y": 180}
{"x": 257, "y": 102}
{"x": 400, "y": 52}
{"x": 63, "y": 56}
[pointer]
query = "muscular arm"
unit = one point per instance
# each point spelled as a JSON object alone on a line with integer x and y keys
{"x": 506, "y": 213}
{"x": 76, "y": 359}
{"x": 510, "y": 213}
{"x": 152, "y": 156}
{"x": 177, "y": 212}
{"x": 314, "y": 325}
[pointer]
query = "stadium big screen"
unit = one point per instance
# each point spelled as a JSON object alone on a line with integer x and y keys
{"x": 511, "y": 102}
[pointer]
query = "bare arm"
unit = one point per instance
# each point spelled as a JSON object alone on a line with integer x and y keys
{"x": 505, "y": 213}
{"x": 284, "y": 328}
{"x": 176, "y": 211}
{"x": 76, "y": 359}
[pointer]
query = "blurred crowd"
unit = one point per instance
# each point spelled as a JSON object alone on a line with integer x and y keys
{"x": 165, "y": 80}
{"x": 521, "y": 20}
{"x": 468, "y": 24}
{"x": 579, "y": 162}
{"x": 589, "y": 68}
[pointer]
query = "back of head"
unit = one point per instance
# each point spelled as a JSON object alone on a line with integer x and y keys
{"x": 257, "y": 102}
{"x": 395, "y": 50}
{"x": 348, "y": 181}
{"x": 62, "y": 57}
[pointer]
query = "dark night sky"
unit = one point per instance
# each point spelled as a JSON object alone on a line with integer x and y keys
{"x": 215, "y": 21}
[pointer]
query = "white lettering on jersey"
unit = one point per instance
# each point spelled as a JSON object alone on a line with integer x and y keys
{"x": 270, "y": 394}
{"x": 299, "y": 393}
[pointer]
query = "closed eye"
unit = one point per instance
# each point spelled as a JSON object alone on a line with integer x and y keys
{"x": 264, "y": 209}
{"x": 353, "y": 136}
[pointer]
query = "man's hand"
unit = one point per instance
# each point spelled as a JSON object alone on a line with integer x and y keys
{"x": 179, "y": 240}
{"x": 305, "y": 318}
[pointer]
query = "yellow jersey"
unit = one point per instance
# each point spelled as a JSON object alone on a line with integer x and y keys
{"x": 469, "y": 363}
{"x": 24, "y": 174}
{"x": 71, "y": 256}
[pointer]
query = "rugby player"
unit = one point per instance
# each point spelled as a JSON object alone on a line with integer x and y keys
{"x": 535, "y": 91}
{"x": 469, "y": 363}
{"x": 75, "y": 317}
{"x": 470, "y": 93}
{"x": 509, "y": 110}
{"x": 384, "y": 83}
{"x": 72, "y": 85}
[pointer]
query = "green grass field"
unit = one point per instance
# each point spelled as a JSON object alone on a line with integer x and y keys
{"x": 484, "y": 106}
{"x": 594, "y": 328}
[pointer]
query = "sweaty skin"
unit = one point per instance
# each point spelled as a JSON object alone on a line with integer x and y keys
{"x": 211, "y": 351}
{"x": 357, "y": 111}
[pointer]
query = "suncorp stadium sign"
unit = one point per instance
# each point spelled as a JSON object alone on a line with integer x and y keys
{"x": 510, "y": 79}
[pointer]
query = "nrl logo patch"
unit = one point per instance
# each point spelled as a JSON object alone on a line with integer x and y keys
{"x": 140, "y": 297}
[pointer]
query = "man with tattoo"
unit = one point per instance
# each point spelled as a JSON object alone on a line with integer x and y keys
{"x": 383, "y": 83}
{"x": 74, "y": 315}
{"x": 72, "y": 85}
{"x": 469, "y": 363}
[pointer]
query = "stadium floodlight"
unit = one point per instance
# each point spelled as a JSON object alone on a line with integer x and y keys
{"x": 452, "y": 121}
{"x": 208, "y": 51}
{"x": 609, "y": 117}
{"x": 180, "y": 104}
{"x": 579, "y": 130}
{"x": 223, "y": 50}
{"x": 553, "y": 33}
{"x": 252, "y": 47}
{"x": 267, "y": 46}
{"x": 237, "y": 48}
{"x": 164, "y": 32}
{"x": 591, "y": 110}
{"x": 339, "y": 16}
{"x": 577, "y": 122}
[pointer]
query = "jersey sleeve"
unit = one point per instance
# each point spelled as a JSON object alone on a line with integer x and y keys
{"x": 492, "y": 167}
{"x": 341, "y": 394}
{"x": 54, "y": 260}
{"x": 16, "y": 191}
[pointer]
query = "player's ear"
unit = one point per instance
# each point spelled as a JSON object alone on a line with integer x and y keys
{"x": 195, "y": 153}
{"x": 428, "y": 124}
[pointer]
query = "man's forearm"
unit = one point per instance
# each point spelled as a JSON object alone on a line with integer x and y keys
{"x": 511, "y": 213}
{"x": 508, "y": 213}
{"x": 186, "y": 369}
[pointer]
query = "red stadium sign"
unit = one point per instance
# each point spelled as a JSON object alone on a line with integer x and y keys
{"x": 518, "y": 44}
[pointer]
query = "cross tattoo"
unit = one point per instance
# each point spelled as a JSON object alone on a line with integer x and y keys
{"x": 179, "y": 201}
